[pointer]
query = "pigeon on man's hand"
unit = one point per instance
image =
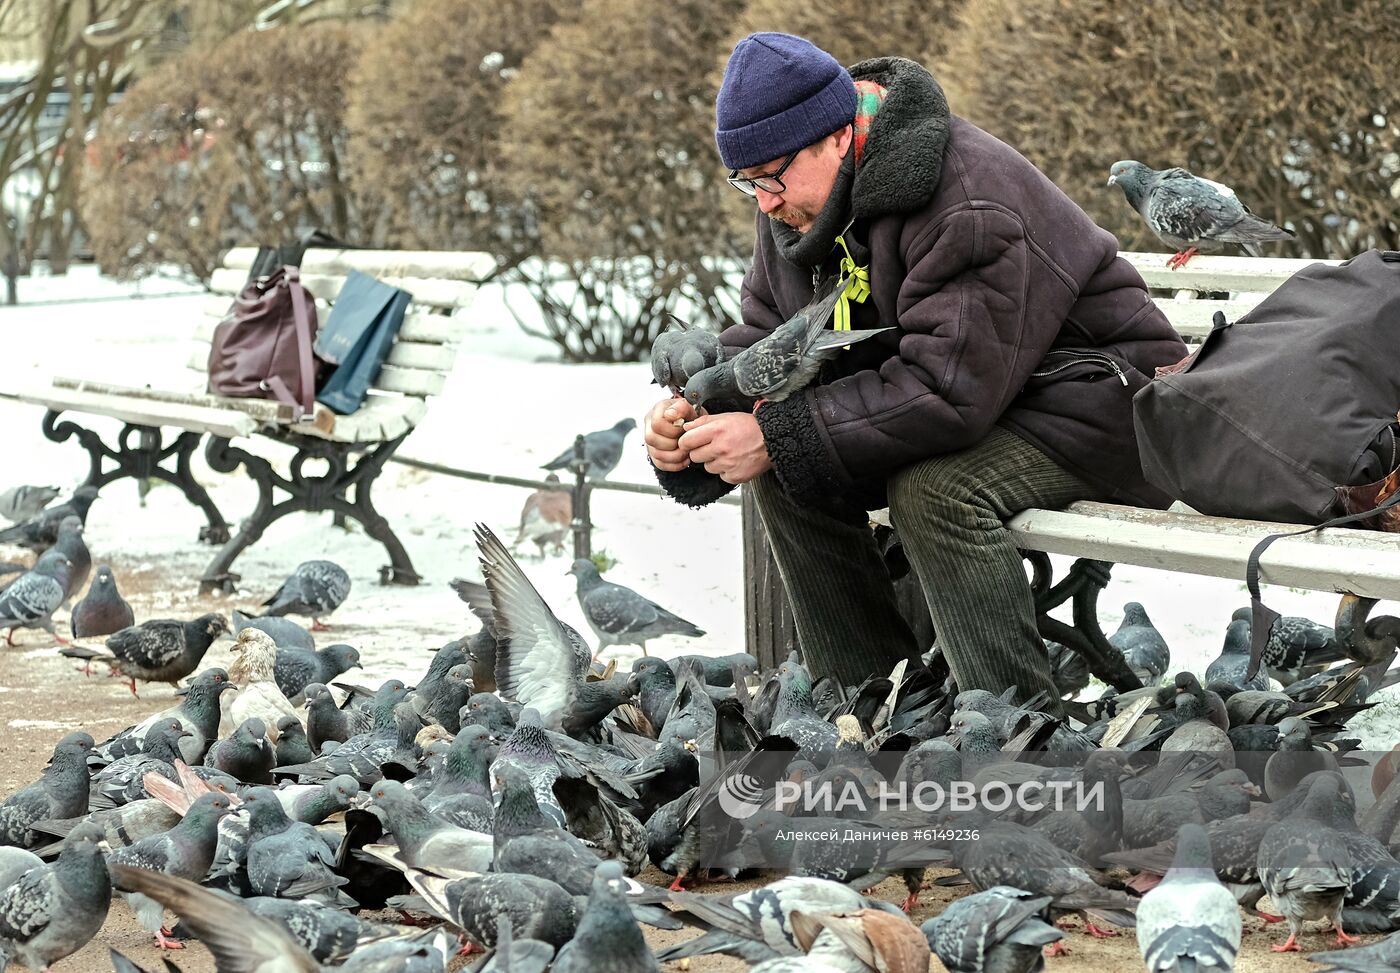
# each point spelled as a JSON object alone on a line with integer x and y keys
{"x": 602, "y": 450}
{"x": 33, "y": 597}
{"x": 161, "y": 650}
{"x": 620, "y": 616}
{"x": 683, "y": 351}
{"x": 24, "y": 502}
{"x": 102, "y": 611}
{"x": 314, "y": 589}
{"x": 1190, "y": 213}
{"x": 781, "y": 363}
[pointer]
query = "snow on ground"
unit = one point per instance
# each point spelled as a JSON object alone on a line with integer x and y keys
{"x": 508, "y": 407}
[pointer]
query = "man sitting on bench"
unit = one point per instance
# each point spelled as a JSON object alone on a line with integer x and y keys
{"x": 1019, "y": 339}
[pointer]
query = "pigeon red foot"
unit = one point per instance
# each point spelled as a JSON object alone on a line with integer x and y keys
{"x": 1178, "y": 260}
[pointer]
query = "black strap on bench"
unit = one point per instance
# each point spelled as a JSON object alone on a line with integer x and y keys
{"x": 1264, "y": 617}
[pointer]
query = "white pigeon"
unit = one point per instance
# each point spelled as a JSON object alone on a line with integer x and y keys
{"x": 255, "y": 692}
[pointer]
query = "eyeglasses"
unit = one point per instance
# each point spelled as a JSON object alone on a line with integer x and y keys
{"x": 769, "y": 182}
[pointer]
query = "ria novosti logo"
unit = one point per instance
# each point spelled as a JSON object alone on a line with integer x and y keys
{"x": 741, "y": 796}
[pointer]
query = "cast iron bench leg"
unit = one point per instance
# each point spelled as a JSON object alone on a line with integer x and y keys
{"x": 308, "y": 493}
{"x": 138, "y": 455}
{"x": 1086, "y": 578}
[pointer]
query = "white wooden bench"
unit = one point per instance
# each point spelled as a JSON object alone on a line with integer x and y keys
{"x": 1361, "y": 565}
{"x": 353, "y": 447}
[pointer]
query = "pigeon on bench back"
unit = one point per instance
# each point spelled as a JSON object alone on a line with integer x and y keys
{"x": 314, "y": 589}
{"x": 1190, "y": 213}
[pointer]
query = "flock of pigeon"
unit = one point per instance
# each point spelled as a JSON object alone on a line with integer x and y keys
{"x": 509, "y": 799}
{"x": 291, "y": 820}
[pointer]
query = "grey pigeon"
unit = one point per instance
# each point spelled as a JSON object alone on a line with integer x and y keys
{"x": 1296, "y": 647}
{"x": 70, "y": 544}
{"x": 426, "y": 840}
{"x": 1304, "y": 864}
{"x": 186, "y": 851}
{"x": 245, "y": 754}
{"x": 1229, "y": 671}
{"x": 161, "y": 650}
{"x": 1000, "y": 930}
{"x": 315, "y": 589}
{"x": 781, "y": 363}
{"x": 121, "y": 826}
{"x": 102, "y": 611}
{"x": 330, "y": 935}
{"x": 39, "y": 532}
{"x": 1190, "y": 213}
{"x": 608, "y": 939}
{"x": 62, "y": 792}
{"x": 541, "y": 662}
{"x": 292, "y": 745}
{"x": 796, "y": 718}
{"x": 285, "y": 632}
{"x": 286, "y": 858}
{"x": 681, "y": 352}
{"x": 33, "y": 597}
{"x": 513, "y": 955}
{"x": 14, "y": 862}
{"x": 1381, "y": 957}
{"x": 1009, "y": 854}
{"x": 124, "y": 779}
{"x": 364, "y": 755}
{"x": 1142, "y": 645}
{"x": 602, "y": 450}
{"x": 533, "y": 907}
{"x": 24, "y": 502}
{"x": 1189, "y": 921}
{"x": 54, "y": 910}
{"x": 325, "y": 720}
{"x": 619, "y": 615}
{"x": 246, "y": 942}
{"x": 526, "y": 841}
{"x": 756, "y": 924}
{"x": 198, "y": 713}
{"x": 296, "y": 668}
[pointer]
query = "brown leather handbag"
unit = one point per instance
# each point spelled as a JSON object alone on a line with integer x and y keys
{"x": 263, "y": 348}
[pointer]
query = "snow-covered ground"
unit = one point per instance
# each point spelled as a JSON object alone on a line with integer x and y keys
{"x": 507, "y": 408}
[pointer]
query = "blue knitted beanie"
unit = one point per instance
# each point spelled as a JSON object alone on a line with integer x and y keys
{"x": 780, "y": 93}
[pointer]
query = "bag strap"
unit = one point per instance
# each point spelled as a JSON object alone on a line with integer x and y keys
{"x": 304, "y": 357}
{"x": 1265, "y": 617}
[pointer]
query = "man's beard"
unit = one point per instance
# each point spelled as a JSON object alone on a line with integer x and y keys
{"x": 793, "y": 216}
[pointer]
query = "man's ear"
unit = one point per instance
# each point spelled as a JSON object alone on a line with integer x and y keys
{"x": 845, "y": 138}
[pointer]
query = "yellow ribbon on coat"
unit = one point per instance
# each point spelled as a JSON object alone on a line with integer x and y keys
{"x": 857, "y": 289}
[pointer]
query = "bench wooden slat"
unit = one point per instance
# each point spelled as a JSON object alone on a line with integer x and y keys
{"x": 145, "y": 412}
{"x": 1246, "y": 274}
{"x": 451, "y": 265}
{"x": 423, "y": 324}
{"x": 1365, "y": 563}
{"x": 429, "y": 292}
{"x": 411, "y": 368}
{"x": 265, "y": 410}
{"x": 1195, "y": 318}
{"x": 381, "y": 417}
